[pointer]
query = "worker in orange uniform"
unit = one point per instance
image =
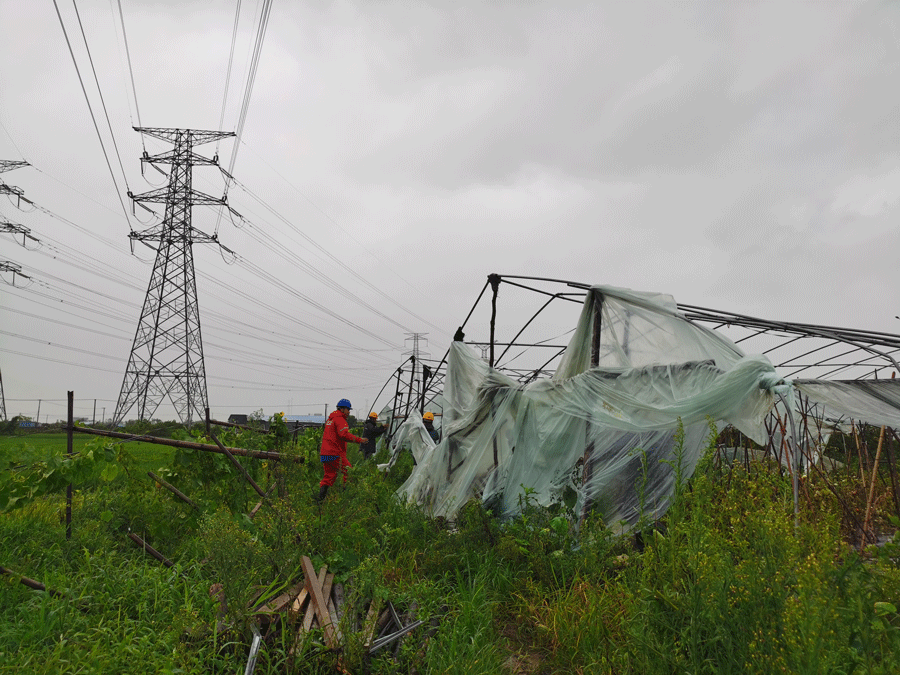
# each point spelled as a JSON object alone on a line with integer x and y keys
{"x": 334, "y": 446}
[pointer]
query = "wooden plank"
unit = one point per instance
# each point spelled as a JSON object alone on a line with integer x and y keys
{"x": 299, "y": 602}
{"x": 337, "y": 594}
{"x": 282, "y": 602}
{"x": 334, "y": 613}
{"x": 311, "y": 610}
{"x": 326, "y": 595}
{"x": 318, "y": 600}
{"x": 370, "y": 623}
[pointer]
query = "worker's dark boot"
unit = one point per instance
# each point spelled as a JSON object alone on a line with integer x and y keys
{"x": 323, "y": 491}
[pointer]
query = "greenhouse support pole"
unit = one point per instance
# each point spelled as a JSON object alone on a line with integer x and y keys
{"x": 494, "y": 280}
{"x": 796, "y": 459}
{"x": 597, "y": 301}
{"x": 69, "y": 432}
{"x": 394, "y": 406}
{"x": 595, "y": 335}
{"x": 412, "y": 380}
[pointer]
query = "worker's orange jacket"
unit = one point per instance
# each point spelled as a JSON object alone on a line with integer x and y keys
{"x": 335, "y": 437}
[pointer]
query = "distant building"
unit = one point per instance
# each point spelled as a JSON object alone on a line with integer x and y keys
{"x": 301, "y": 422}
{"x": 237, "y": 419}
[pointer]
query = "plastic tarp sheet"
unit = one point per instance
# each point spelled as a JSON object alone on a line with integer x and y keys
{"x": 603, "y": 435}
{"x": 874, "y": 401}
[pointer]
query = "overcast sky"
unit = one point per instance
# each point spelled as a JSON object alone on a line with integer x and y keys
{"x": 743, "y": 156}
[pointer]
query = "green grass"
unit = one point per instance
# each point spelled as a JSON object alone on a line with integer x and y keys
{"x": 724, "y": 585}
{"x": 148, "y": 455}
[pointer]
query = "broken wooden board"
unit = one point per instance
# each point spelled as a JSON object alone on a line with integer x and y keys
{"x": 318, "y": 600}
{"x": 282, "y": 602}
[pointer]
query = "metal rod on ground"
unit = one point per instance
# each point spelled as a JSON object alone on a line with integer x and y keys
{"x": 31, "y": 583}
{"x": 237, "y": 465}
{"x": 254, "y": 650}
{"x": 255, "y": 454}
{"x": 387, "y": 639}
{"x": 69, "y": 426}
{"x": 174, "y": 490}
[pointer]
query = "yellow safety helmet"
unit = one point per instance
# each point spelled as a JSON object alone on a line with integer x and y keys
{"x": 428, "y": 416}
{"x": 373, "y": 415}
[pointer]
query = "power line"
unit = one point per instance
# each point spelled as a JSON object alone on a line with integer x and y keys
{"x": 137, "y": 110}
{"x": 91, "y": 110}
{"x": 237, "y": 16}
{"x": 248, "y": 91}
{"x": 331, "y": 256}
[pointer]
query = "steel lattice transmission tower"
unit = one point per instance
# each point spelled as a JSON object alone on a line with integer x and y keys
{"x": 6, "y": 226}
{"x": 167, "y": 355}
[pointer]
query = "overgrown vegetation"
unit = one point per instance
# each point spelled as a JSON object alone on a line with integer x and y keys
{"x": 725, "y": 583}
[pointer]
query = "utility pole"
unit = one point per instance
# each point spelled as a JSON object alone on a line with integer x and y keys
{"x": 2, "y": 400}
{"x": 167, "y": 354}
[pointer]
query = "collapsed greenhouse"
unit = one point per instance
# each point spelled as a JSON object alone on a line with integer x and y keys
{"x": 629, "y": 404}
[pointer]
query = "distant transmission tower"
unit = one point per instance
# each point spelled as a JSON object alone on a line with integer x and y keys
{"x": 167, "y": 355}
{"x": 6, "y": 226}
{"x": 416, "y": 385}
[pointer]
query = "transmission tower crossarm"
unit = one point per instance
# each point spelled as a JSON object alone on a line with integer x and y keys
{"x": 170, "y": 157}
{"x": 15, "y": 268}
{"x": 163, "y": 195}
{"x": 197, "y": 136}
{"x": 10, "y": 164}
{"x": 10, "y": 190}
{"x": 14, "y": 228}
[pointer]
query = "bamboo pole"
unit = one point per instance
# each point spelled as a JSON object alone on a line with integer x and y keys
{"x": 149, "y": 549}
{"x": 31, "y": 583}
{"x": 232, "y": 425}
{"x": 872, "y": 484}
{"x": 255, "y": 454}
{"x": 892, "y": 470}
{"x": 174, "y": 490}
{"x": 237, "y": 465}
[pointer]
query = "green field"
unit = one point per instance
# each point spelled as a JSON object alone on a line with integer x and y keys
{"x": 147, "y": 455}
{"x": 724, "y": 584}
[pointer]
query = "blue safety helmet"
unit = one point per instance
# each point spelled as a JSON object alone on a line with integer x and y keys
{"x": 344, "y": 403}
